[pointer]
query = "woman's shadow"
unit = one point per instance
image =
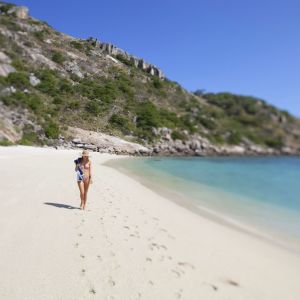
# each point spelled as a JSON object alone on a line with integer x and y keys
{"x": 60, "y": 205}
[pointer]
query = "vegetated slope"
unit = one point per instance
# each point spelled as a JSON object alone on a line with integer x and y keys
{"x": 50, "y": 81}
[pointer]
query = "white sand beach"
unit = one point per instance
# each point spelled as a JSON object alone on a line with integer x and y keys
{"x": 130, "y": 243}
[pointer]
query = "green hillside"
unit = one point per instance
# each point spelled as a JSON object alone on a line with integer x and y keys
{"x": 60, "y": 81}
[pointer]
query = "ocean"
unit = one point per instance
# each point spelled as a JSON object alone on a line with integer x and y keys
{"x": 258, "y": 194}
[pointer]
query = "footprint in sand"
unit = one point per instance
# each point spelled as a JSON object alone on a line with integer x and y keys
{"x": 133, "y": 235}
{"x": 161, "y": 258}
{"x": 178, "y": 294}
{"x": 178, "y": 275}
{"x": 232, "y": 282}
{"x": 163, "y": 247}
{"x": 171, "y": 237}
{"x": 186, "y": 264}
{"x": 111, "y": 282}
{"x": 82, "y": 271}
{"x": 178, "y": 272}
{"x": 92, "y": 291}
{"x": 149, "y": 259}
{"x": 153, "y": 246}
{"x": 79, "y": 234}
{"x": 150, "y": 282}
{"x": 76, "y": 245}
{"x": 214, "y": 287}
{"x": 82, "y": 256}
{"x": 99, "y": 257}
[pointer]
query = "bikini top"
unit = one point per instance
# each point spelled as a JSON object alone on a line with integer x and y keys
{"x": 85, "y": 166}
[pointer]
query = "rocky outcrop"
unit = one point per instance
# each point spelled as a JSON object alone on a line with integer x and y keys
{"x": 100, "y": 142}
{"x": 34, "y": 81}
{"x": 133, "y": 60}
{"x": 5, "y": 67}
{"x": 197, "y": 145}
{"x": 21, "y": 12}
{"x": 12, "y": 123}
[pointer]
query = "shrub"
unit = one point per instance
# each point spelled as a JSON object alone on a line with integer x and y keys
{"x": 51, "y": 130}
{"x": 17, "y": 98}
{"x": 93, "y": 107}
{"x": 274, "y": 142}
{"x": 124, "y": 60}
{"x": 18, "y": 79}
{"x": 176, "y": 135}
{"x": 57, "y": 100}
{"x": 5, "y": 7}
{"x": 34, "y": 102}
{"x": 207, "y": 122}
{"x": 168, "y": 118}
{"x": 74, "y": 105}
{"x": 49, "y": 81}
{"x": 52, "y": 84}
{"x": 30, "y": 138}
{"x": 234, "y": 138}
{"x": 31, "y": 101}
{"x": 77, "y": 45}
{"x": 40, "y": 35}
{"x": 6, "y": 142}
{"x": 187, "y": 123}
{"x": 120, "y": 122}
{"x": 58, "y": 57}
{"x": 106, "y": 92}
{"x": 157, "y": 83}
{"x": 18, "y": 64}
{"x": 147, "y": 116}
{"x": 65, "y": 86}
{"x": 10, "y": 24}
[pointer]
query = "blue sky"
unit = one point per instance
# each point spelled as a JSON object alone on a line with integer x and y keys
{"x": 249, "y": 47}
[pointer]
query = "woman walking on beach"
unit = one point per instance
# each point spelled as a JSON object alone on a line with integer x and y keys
{"x": 84, "y": 176}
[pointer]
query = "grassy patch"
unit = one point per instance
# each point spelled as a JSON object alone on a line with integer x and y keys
{"x": 19, "y": 80}
{"x": 6, "y": 142}
{"x": 58, "y": 57}
{"x": 51, "y": 130}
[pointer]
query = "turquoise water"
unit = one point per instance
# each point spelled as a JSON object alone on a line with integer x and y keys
{"x": 260, "y": 191}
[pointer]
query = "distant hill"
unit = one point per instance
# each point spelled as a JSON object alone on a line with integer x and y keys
{"x": 51, "y": 83}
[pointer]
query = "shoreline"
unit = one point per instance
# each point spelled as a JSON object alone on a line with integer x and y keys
{"x": 186, "y": 202}
{"x": 130, "y": 243}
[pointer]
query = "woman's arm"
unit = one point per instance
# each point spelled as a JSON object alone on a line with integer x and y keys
{"x": 76, "y": 165}
{"x": 90, "y": 170}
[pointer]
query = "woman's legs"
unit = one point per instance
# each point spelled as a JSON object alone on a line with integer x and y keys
{"x": 86, "y": 188}
{"x": 81, "y": 189}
